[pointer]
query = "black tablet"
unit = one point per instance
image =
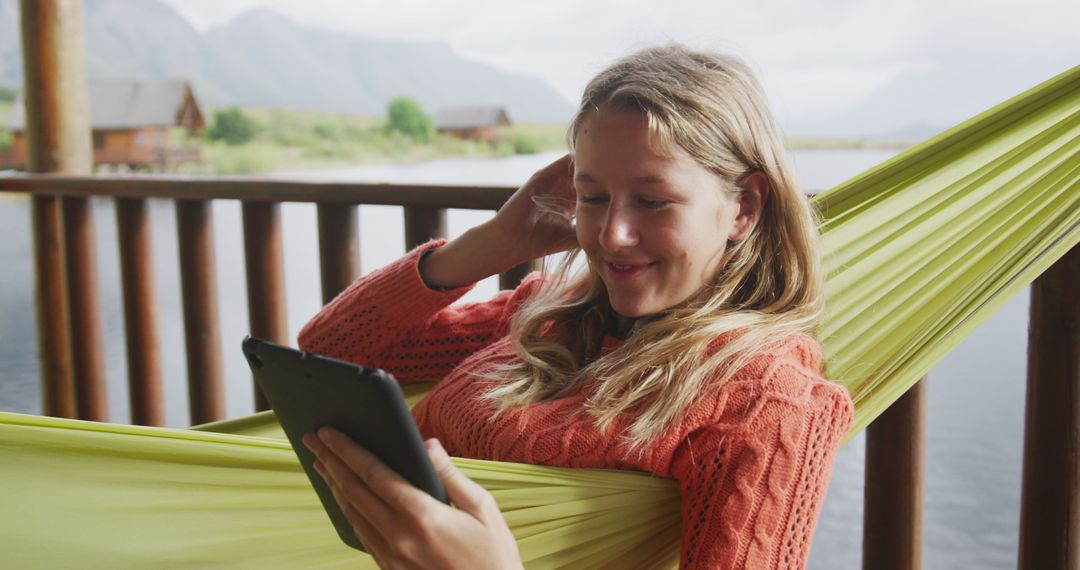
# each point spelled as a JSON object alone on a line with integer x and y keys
{"x": 308, "y": 391}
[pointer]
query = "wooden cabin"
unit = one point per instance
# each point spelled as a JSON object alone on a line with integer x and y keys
{"x": 131, "y": 122}
{"x": 473, "y": 123}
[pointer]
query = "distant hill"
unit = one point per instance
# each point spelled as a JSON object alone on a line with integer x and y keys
{"x": 262, "y": 58}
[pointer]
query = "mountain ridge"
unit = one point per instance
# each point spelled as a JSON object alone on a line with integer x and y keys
{"x": 261, "y": 58}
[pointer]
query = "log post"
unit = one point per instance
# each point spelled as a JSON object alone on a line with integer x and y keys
{"x": 58, "y": 141}
{"x": 145, "y": 386}
{"x": 263, "y": 255}
{"x": 339, "y": 248}
{"x": 423, "y": 225}
{"x": 893, "y": 499}
{"x": 202, "y": 333}
{"x": 1049, "y": 505}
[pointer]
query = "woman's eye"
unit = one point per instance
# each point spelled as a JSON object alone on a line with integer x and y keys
{"x": 654, "y": 204}
{"x": 590, "y": 199}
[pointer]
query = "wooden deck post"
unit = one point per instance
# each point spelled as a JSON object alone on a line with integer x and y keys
{"x": 145, "y": 387}
{"x": 339, "y": 248}
{"x": 893, "y": 496}
{"x": 263, "y": 258}
{"x": 423, "y": 225}
{"x": 1050, "y": 496}
{"x": 202, "y": 331}
{"x": 58, "y": 141}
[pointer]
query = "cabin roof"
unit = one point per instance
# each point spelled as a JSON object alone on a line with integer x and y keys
{"x": 127, "y": 104}
{"x": 471, "y": 117}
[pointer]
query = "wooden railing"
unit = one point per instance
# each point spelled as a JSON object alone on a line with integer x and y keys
{"x": 425, "y": 218}
{"x": 74, "y": 381}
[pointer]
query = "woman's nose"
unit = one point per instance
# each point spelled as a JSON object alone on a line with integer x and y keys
{"x": 618, "y": 230}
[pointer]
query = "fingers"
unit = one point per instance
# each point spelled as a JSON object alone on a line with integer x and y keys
{"x": 336, "y": 472}
{"x": 388, "y": 490}
{"x": 465, "y": 493}
{"x": 373, "y": 540}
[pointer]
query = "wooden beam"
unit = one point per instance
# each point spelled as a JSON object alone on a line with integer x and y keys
{"x": 893, "y": 496}
{"x": 1050, "y": 495}
{"x": 250, "y": 189}
{"x": 58, "y": 141}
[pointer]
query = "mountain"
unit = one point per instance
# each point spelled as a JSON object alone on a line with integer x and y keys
{"x": 262, "y": 58}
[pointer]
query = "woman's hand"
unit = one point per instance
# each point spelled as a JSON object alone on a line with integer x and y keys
{"x": 534, "y": 222}
{"x": 537, "y": 218}
{"x": 404, "y": 527}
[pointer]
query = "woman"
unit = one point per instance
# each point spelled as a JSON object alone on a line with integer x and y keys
{"x": 683, "y": 350}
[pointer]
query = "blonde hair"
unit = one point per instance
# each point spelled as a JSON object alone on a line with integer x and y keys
{"x": 769, "y": 287}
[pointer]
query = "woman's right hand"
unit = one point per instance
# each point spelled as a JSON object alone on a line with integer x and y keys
{"x": 537, "y": 218}
{"x": 534, "y": 222}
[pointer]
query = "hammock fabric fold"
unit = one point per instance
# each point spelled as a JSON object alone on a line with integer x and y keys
{"x": 919, "y": 251}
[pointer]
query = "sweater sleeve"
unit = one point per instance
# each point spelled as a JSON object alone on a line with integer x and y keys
{"x": 390, "y": 319}
{"x": 753, "y": 483}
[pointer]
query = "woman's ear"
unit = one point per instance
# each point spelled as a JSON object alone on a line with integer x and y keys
{"x": 751, "y": 203}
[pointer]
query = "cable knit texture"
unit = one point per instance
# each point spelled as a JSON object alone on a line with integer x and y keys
{"x": 752, "y": 461}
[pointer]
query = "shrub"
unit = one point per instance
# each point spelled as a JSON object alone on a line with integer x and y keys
{"x": 231, "y": 126}
{"x": 525, "y": 144}
{"x": 407, "y": 117}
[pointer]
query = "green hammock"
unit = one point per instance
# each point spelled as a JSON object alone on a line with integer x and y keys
{"x": 920, "y": 251}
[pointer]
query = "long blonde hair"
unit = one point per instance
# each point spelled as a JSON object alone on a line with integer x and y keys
{"x": 770, "y": 287}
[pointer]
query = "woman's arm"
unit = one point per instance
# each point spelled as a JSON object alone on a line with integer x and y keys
{"x": 403, "y": 527}
{"x": 392, "y": 319}
{"x": 753, "y": 485}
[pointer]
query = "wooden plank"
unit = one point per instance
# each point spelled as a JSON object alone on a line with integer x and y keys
{"x": 423, "y": 225}
{"x": 145, "y": 386}
{"x": 58, "y": 140}
{"x": 263, "y": 258}
{"x": 339, "y": 248}
{"x": 1049, "y": 504}
{"x": 895, "y": 467}
{"x": 199, "y": 292}
{"x": 249, "y": 189}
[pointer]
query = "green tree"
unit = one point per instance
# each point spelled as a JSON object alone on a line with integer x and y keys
{"x": 232, "y": 126}
{"x": 406, "y": 116}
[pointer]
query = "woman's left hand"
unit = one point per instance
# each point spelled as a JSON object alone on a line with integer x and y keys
{"x": 404, "y": 527}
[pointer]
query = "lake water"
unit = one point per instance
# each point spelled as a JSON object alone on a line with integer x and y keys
{"x": 976, "y": 394}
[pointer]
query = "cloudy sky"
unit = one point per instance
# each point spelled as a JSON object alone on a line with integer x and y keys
{"x": 831, "y": 67}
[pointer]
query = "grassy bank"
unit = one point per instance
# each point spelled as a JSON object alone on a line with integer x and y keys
{"x": 292, "y": 140}
{"x": 299, "y": 140}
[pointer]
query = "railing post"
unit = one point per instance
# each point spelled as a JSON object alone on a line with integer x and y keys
{"x": 87, "y": 346}
{"x": 510, "y": 279}
{"x": 58, "y": 141}
{"x": 339, "y": 248}
{"x": 202, "y": 335}
{"x": 423, "y": 225}
{"x": 265, "y": 277}
{"x": 893, "y": 496}
{"x": 140, "y": 312}
{"x": 1049, "y": 506}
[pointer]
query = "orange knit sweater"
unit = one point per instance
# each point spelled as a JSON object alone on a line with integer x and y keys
{"x": 752, "y": 462}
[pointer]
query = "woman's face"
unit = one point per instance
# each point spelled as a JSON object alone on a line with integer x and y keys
{"x": 652, "y": 221}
